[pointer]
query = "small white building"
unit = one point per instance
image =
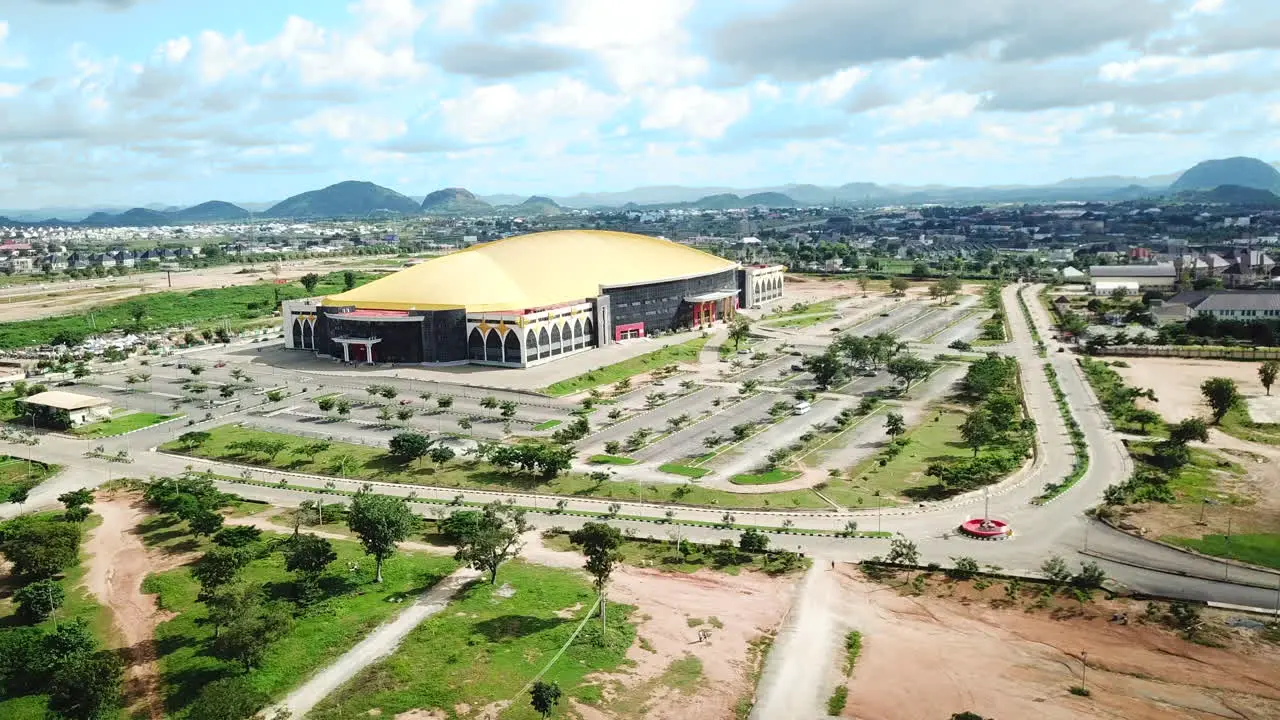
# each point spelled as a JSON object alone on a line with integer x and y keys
{"x": 1133, "y": 278}
{"x": 76, "y": 409}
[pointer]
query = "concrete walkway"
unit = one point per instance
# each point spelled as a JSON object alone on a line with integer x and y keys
{"x": 377, "y": 645}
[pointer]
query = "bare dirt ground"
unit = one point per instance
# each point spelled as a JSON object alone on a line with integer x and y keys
{"x": 927, "y": 657}
{"x": 117, "y": 568}
{"x": 1176, "y": 382}
{"x": 671, "y": 608}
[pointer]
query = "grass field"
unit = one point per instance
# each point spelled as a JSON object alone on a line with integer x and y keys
{"x": 771, "y": 477}
{"x": 122, "y": 424}
{"x": 546, "y": 425}
{"x": 611, "y": 460}
{"x": 685, "y": 352}
{"x": 684, "y": 470}
{"x": 172, "y": 309}
{"x": 1258, "y": 549}
{"x": 79, "y": 604}
{"x": 797, "y": 309}
{"x": 1238, "y": 423}
{"x": 375, "y": 464}
{"x": 315, "y": 639}
{"x": 19, "y": 472}
{"x": 800, "y": 322}
{"x": 486, "y": 646}
{"x": 1197, "y": 481}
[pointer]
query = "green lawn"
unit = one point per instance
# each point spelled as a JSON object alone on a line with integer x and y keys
{"x": 320, "y": 634}
{"x": 824, "y": 306}
{"x": 1198, "y": 480}
{"x": 1258, "y": 549}
{"x": 79, "y": 604}
{"x": 237, "y": 305}
{"x": 770, "y": 477}
{"x": 685, "y": 352}
{"x": 546, "y": 425}
{"x": 18, "y": 472}
{"x": 684, "y": 470}
{"x": 375, "y": 464}
{"x": 800, "y": 322}
{"x": 1238, "y": 423}
{"x": 122, "y": 424}
{"x": 611, "y": 460}
{"x": 485, "y": 647}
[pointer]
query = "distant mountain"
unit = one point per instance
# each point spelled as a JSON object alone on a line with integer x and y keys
{"x": 137, "y": 217}
{"x": 1231, "y": 195}
{"x": 769, "y": 199}
{"x": 1242, "y": 171}
{"x": 721, "y": 201}
{"x": 453, "y": 201}
{"x": 539, "y": 205}
{"x": 212, "y": 211}
{"x": 345, "y": 199}
{"x": 502, "y": 199}
{"x": 1115, "y": 181}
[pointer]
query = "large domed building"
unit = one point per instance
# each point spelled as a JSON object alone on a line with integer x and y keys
{"x": 528, "y": 299}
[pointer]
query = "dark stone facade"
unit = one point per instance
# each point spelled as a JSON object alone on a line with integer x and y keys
{"x": 430, "y": 336}
{"x": 660, "y": 306}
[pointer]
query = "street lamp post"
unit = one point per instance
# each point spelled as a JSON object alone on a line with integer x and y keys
{"x": 1084, "y": 667}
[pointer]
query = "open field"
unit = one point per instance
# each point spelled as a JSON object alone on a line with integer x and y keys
{"x": 234, "y": 305}
{"x": 1176, "y": 382}
{"x": 18, "y": 473}
{"x": 960, "y": 647}
{"x": 314, "y": 639}
{"x": 684, "y": 352}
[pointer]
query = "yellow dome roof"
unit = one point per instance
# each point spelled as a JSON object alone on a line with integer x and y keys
{"x": 534, "y": 270}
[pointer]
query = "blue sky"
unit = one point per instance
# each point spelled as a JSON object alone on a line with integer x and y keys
{"x": 173, "y": 101}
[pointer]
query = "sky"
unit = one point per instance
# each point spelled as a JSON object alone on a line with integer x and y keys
{"x": 131, "y": 102}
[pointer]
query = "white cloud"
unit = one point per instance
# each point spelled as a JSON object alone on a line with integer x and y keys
{"x": 351, "y": 124}
{"x": 930, "y": 107}
{"x": 1273, "y": 112}
{"x": 457, "y": 14}
{"x": 1206, "y": 6}
{"x": 8, "y": 90}
{"x": 503, "y": 111}
{"x": 832, "y": 88}
{"x": 9, "y": 59}
{"x": 1150, "y": 67}
{"x": 640, "y": 44}
{"x": 380, "y": 49}
{"x": 695, "y": 110}
{"x": 176, "y": 50}
{"x": 767, "y": 90}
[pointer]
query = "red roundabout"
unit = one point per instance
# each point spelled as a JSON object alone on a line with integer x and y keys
{"x": 986, "y": 529}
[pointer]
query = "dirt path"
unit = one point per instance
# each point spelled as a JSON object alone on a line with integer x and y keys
{"x": 378, "y": 644}
{"x": 797, "y": 672}
{"x": 117, "y": 568}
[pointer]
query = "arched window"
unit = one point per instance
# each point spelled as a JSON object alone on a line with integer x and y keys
{"x": 297, "y": 333}
{"x": 544, "y": 344}
{"x": 493, "y": 346}
{"x": 555, "y": 339}
{"x": 567, "y": 333}
{"x": 475, "y": 345}
{"x": 578, "y": 340}
{"x": 309, "y": 335}
{"x": 531, "y": 346}
{"x": 587, "y": 332}
{"x": 511, "y": 348}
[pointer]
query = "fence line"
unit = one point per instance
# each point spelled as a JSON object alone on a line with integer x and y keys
{"x": 1192, "y": 352}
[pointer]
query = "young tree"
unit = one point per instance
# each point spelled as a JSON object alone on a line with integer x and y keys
{"x": 348, "y": 279}
{"x": 740, "y": 330}
{"x": 899, "y": 285}
{"x": 464, "y": 424}
{"x": 1144, "y": 417}
{"x": 489, "y": 402}
{"x": 908, "y": 368}
{"x": 409, "y": 446}
{"x": 978, "y": 430}
{"x": 218, "y": 568}
{"x": 444, "y": 402}
{"x": 600, "y": 543}
{"x": 753, "y": 541}
{"x": 40, "y": 549}
{"x": 1221, "y": 394}
{"x": 508, "y": 408}
{"x": 493, "y": 539}
{"x": 380, "y": 522}
{"x": 1055, "y": 568}
{"x": 204, "y": 522}
{"x": 309, "y": 282}
{"x": 237, "y": 536}
{"x": 37, "y": 601}
{"x": 73, "y": 499}
{"x": 86, "y": 686}
{"x": 544, "y": 697}
{"x": 894, "y": 425}
{"x": 441, "y": 454}
{"x": 232, "y": 602}
{"x": 1187, "y": 430}
{"x": 1267, "y": 373}
{"x": 247, "y": 638}
{"x": 827, "y": 368}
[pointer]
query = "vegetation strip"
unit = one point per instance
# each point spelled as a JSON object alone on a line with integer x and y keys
{"x": 1078, "y": 444}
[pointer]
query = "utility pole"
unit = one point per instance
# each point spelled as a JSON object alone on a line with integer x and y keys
{"x": 1084, "y": 667}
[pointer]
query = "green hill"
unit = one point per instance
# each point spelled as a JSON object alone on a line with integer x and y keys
{"x": 539, "y": 205}
{"x": 346, "y": 199}
{"x": 769, "y": 199}
{"x": 1231, "y": 195}
{"x": 212, "y": 211}
{"x": 1241, "y": 171}
{"x": 454, "y": 200}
